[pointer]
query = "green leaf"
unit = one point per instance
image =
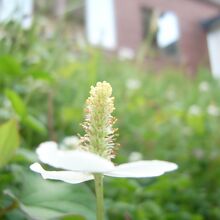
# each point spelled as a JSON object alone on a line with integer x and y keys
{"x": 41, "y": 75}
{"x": 21, "y": 109}
{"x": 35, "y": 124}
{"x": 9, "y": 66}
{"x": 9, "y": 141}
{"x": 49, "y": 200}
{"x": 73, "y": 217}
{"x": 17, "y": 103}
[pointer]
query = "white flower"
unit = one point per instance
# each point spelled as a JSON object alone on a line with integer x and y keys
{"x": 194, "y": 110}
{"x": 70, "y": 142}
{"x": 126, "y": 54}
{"x": 134, "y": 156}
{"x": 204, "y": 86}
{"x": 133, "y": 84}
{"x": 80, "y": 166}
{"x": 213, "y": 110}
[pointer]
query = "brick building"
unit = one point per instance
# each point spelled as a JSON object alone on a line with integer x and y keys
{"x": 127, "y": 24}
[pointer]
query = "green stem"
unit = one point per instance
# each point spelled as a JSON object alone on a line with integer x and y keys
{"x": 99, "y": 196}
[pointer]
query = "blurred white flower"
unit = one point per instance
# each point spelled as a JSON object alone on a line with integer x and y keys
{"x": 213, "y": 110}
{"x": 133, "y": 84}
{"x": 135, "y": 156}
{"x": 194, "y": 110}
{"x": 204, "y": 86}
{"x": 126, "y": 54}
{"x": 70, "y": 142}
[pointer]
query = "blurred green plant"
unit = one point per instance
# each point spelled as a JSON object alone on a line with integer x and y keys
{"x": 51, "y": 76}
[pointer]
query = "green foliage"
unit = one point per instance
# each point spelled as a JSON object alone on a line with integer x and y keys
{"x": 21, "y": 110}
{"x": 9, "y": 141}
{"x": 40, "y": 199}
{"x": 17, "y": 103}
{"x": 44, "y": 83}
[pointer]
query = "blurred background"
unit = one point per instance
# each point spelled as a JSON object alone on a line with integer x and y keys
{"x": 162, "y": 60}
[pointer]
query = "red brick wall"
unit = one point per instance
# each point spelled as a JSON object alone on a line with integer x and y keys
{"x": 128, "y": 23}
{"x": 192, "y": 45}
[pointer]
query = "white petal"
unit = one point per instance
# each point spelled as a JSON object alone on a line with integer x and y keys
{"x": 142, "y": 169}
{"x": 66, "y": 176}
{"x": 48, "y": 146}
{"x": 74, "y": 160}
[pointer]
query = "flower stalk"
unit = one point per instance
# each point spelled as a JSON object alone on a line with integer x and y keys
{"x": 99, "y": 196}
{"x": 100, "y": 134}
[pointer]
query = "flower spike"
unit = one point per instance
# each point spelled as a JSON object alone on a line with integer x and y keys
{"x": 98, "y": 125}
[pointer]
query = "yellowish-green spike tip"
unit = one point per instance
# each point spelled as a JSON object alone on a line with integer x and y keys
{"x": 98, "y": 125}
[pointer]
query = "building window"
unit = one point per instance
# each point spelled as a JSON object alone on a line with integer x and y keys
{"x": 168, "y": 33}
{"x": 160, "y": 31}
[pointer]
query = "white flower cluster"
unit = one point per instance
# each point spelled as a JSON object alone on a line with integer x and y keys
{"x": 213, "y": 110}
{"x": 194, "y": 110}
{"x": 133, "y": 84}
{"x": 204, "y": 86}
